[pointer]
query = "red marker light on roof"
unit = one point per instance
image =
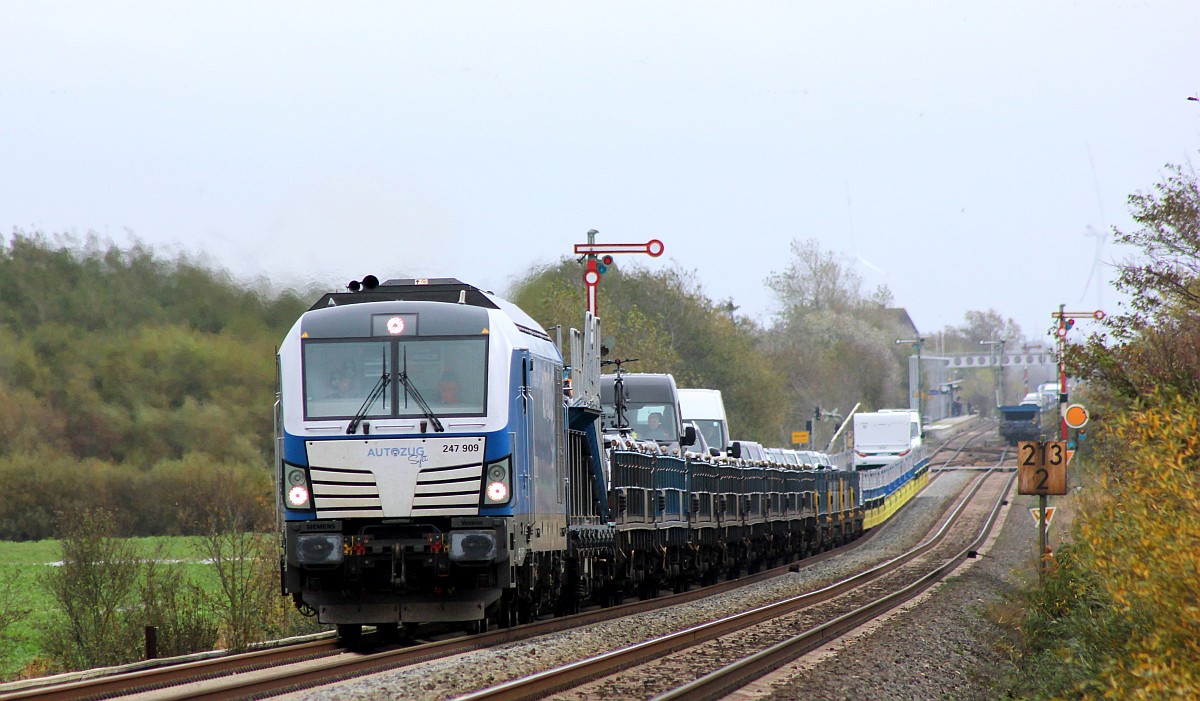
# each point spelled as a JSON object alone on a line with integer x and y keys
{"x": 395, "y": 325}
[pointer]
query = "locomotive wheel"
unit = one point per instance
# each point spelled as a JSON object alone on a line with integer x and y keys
{"x": 349, "y": 632}
{"x": 609, "y": 596}
{"x": 506, "y": 613}
{"x": 567, "y": 605}
{"x": 388, "y": 632}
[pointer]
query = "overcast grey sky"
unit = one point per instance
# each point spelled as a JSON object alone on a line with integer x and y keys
{"x": 958, "y": 152}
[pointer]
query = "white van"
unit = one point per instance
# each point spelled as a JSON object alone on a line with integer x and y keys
{"x": 884, "y": 437}
{"x": 706, "y": 409}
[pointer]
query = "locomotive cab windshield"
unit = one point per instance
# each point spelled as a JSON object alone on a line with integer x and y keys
{"x": 431, "y": 376}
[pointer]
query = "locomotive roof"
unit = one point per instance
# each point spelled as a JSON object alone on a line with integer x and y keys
{"x": 438, "y": 289}
{"x": 447, "y": 290}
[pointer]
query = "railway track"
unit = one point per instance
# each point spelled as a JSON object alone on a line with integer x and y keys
{"x": 972, "y": 446}
{"x": 710, "y": 660}
{"x": 278, "y": 670}
{"x": 288, "y": 667}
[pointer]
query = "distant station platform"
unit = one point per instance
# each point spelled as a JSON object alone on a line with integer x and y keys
{"x": 945, "y": 428}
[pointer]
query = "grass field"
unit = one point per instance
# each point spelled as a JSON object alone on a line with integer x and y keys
{"x": 46, "y": 552}
{"x": 23, "y": 566}
{"x": 19, "y": 646}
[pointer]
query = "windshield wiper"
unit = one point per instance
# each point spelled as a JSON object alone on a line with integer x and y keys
{"x": 412, "y": 389}
{"x": 376, "y": 392}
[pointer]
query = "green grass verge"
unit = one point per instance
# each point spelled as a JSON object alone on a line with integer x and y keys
{"x": 45, "y": 552}
{"x": 23, "y": 564}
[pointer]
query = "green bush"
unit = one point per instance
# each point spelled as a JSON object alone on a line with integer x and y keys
{"x": 106, "y": 591}
{"x": 1067, "y": 632}
{"x": 94, "y": 590}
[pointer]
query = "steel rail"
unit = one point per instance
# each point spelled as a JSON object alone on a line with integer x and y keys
{"x": 725, "y": 680}
{"x": 177, "y": 675}
{"x": 968, "y": 438}
{"x": 269, "y": 667}
{"x": 104, "y": 683}
{"x": 576, "y": 673}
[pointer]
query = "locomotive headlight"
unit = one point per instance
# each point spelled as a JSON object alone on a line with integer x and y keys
{"x": 319, "y": 549}
{"x": 496, "y": 491}
{"x": 298, "y": 493}
{"x": 298, "y": 497}
{"x": 497, "y": 484}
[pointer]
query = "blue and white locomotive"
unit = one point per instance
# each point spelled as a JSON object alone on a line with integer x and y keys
{"x": 433, "y": 465}
{"x": 420, "y": 442}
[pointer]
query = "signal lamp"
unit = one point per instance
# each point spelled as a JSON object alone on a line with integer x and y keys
{"x": 298, "y": 496}
{"x": 497, "y": 492}
{"x": 497, "y": 476}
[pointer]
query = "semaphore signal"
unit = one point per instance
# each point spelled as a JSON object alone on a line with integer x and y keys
{"x": 595, "y": 267}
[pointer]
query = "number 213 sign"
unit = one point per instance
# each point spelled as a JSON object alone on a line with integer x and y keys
{"x": 1042, "y": 467}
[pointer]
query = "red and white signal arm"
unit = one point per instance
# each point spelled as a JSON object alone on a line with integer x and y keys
{"x": 1076, "y": 416}
{"x": 653, "y": 248}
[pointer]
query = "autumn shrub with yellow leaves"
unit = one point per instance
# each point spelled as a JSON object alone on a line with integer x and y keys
{"x": 1120, "y": 617}
{"x": 1144, "y": 537}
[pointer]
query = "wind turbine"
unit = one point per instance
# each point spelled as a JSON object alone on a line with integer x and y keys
{"x": 1101, "y": 237}
{"x": 854, "y": 246}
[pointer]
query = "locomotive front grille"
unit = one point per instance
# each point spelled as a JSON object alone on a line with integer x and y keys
{"x": 449, "y": 491}
{"x": 356, "y": 493}
{"x": 340, "y": 493}
{"x": 396, "y": 478}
